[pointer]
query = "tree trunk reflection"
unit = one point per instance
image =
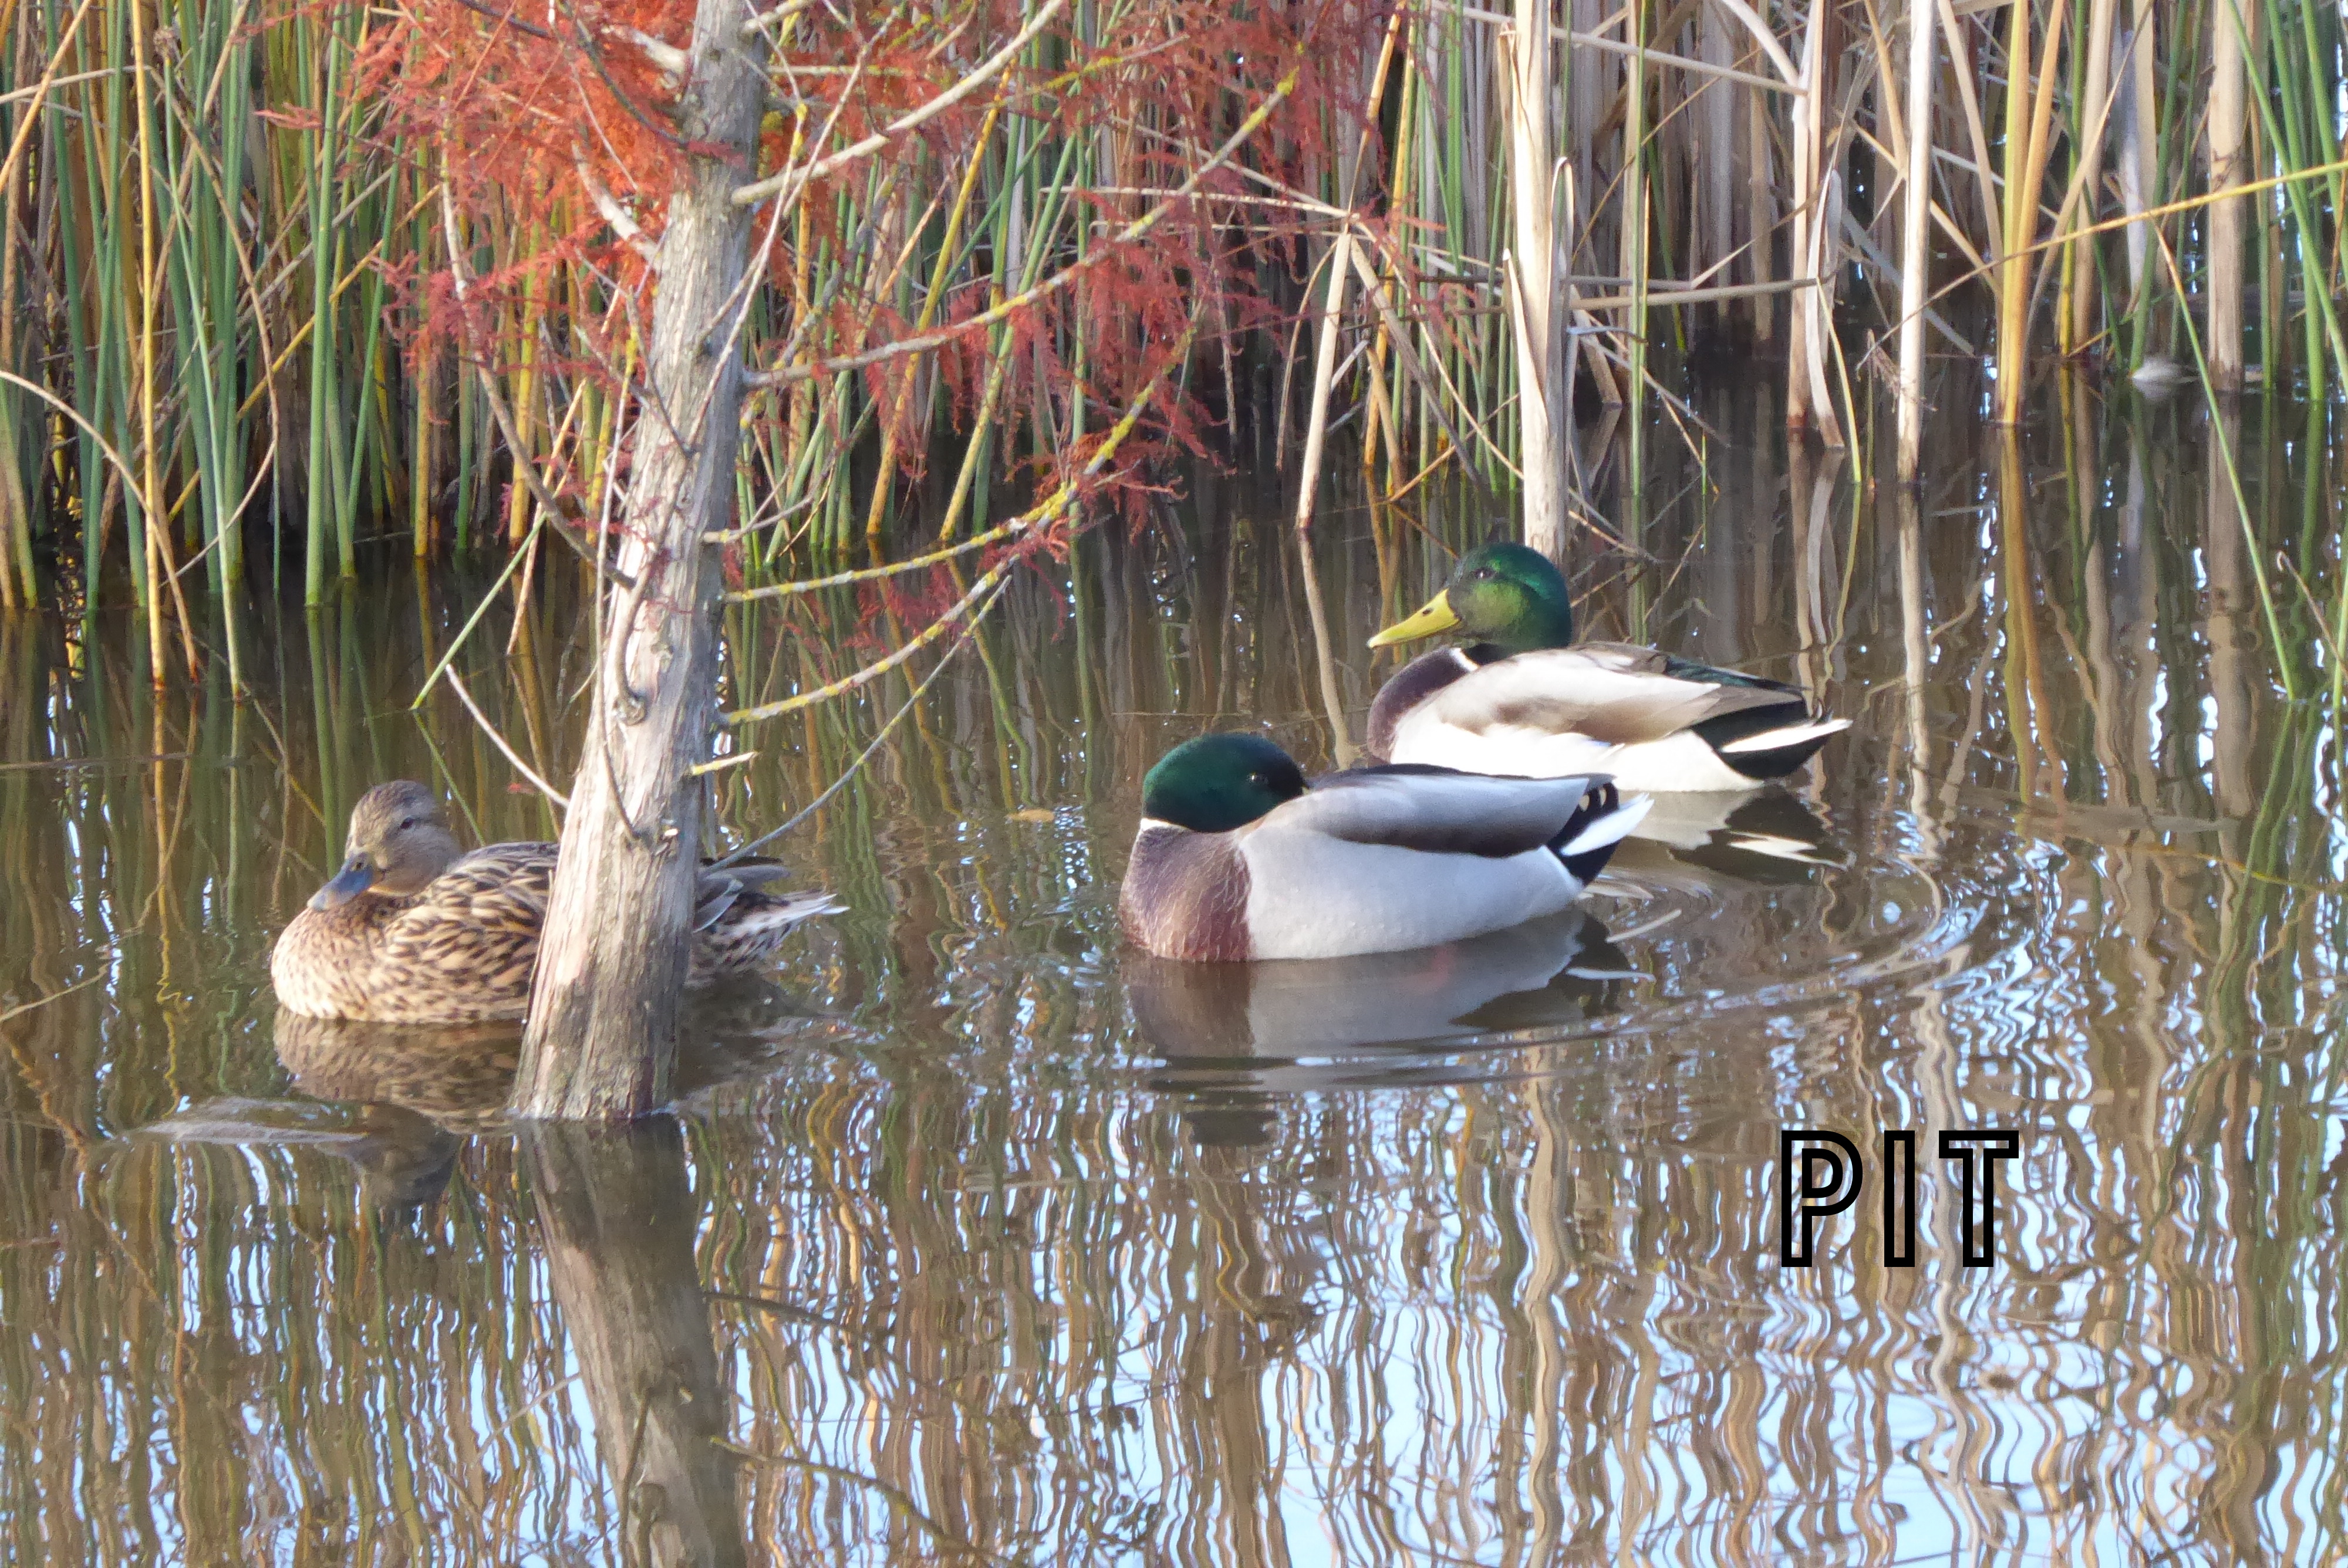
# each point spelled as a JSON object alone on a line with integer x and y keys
{"x": 617, "y": 1219}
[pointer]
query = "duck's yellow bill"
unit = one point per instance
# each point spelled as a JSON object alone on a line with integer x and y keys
{"x": 1434, "y": 616}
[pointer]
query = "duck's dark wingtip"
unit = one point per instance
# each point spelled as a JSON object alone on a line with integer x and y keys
{"x": 1768, "y": 752}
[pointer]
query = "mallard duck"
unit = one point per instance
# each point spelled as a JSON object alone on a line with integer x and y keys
{"x": 411, "y": 930}
{"x": 1518, "y": 700}
{"x": 1238, "y": 857}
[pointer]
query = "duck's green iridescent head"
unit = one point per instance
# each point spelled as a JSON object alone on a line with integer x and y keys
{"x": 1504, "y": 594}
{"x": 1218, "y": 783}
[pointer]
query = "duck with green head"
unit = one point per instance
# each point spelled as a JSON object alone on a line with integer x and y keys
{"x": 1238, "y": 858}
{"x": 1520, "y": 697}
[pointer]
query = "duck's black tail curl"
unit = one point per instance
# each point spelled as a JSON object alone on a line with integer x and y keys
{"x": 1586, "y": 842}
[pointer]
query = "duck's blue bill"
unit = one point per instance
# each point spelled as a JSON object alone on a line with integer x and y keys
{"x": 352, "y": 879}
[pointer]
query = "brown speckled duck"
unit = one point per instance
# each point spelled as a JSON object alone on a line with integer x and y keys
{"x": 413, "y": 930}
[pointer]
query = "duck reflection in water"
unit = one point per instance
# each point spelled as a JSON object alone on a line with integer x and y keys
{"x": 1323, "y": 1022}
{"x": 403, "y": 1159}
{"x": 458, "y": 1074}
{"x": 1768, "y": 837}
{"x": 615, "y": 1216}
{"x": 462, "y": 1075}
{"x": 398, "y": 1102}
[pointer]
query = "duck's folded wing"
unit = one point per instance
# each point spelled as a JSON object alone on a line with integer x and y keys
{"x": 715, "y": 888}
{"x": 503, "y": 889}
{"x": 478, "y": 922}
{"x": 496, "y": 886}
{"x": 1711, "y": 675}
{"x": 1435, "y": 810}
{"x": 1609, "y": 691}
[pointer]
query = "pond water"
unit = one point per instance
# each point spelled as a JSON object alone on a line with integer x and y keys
{"x": 977, "y": 1238}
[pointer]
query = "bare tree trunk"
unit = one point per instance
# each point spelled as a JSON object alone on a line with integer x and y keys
{"x": 1915, "y": 237}
{"x": 1540, "y": 360}
{"x": 2228, "y": 167}
{"x": 1760, "y": 207}
{"x": 611, "y": 968}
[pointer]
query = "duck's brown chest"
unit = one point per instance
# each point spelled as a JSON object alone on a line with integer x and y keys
{"x": 1186, "y": 896}
{"x": 324, "y": 963}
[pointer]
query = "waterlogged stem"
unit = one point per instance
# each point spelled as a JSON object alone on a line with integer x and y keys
{"x": 1915, "y": 234}
{"x": 2233, "y": 475}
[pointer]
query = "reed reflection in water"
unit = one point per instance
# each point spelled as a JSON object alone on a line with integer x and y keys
{"x": 979, "y": 1239}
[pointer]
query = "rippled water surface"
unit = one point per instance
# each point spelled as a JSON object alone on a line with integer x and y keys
{"x": 978, "y": 1238}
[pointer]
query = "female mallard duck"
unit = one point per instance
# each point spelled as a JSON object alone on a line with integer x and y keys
{"x": 412, "y": 931}
{"x": 1238, "y": 858}
{"x": 1519, "y": 701}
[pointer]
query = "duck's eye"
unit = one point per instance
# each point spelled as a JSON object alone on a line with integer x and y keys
{"x": 406, "y": 823}
{"x": 1483, "y": 574}
{"x": 1258, "y": 779}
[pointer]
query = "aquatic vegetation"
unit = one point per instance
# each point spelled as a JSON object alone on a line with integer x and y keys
{"x": 283, "y": 278}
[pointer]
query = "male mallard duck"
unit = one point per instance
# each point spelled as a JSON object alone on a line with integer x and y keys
{"x": 1519, "y": 701}
{"x": 1238, "y": 858}
{"x": 412, "y": 931}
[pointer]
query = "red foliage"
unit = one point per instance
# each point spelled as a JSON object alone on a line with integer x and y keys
{"x": 528, "y": 112}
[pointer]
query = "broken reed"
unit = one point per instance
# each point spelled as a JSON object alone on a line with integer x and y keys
{"x": 213, "y": 220}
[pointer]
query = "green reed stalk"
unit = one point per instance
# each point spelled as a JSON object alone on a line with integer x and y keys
{"x": 204, "y": 136}
{"x": 320, "y": 57}
{"x": 96, "y": 217}
{"x": 2302, "y": 138}
{"x": 370, "y": 416}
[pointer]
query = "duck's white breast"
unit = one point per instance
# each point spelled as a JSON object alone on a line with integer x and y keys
{"x": 1312, "y": 897}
